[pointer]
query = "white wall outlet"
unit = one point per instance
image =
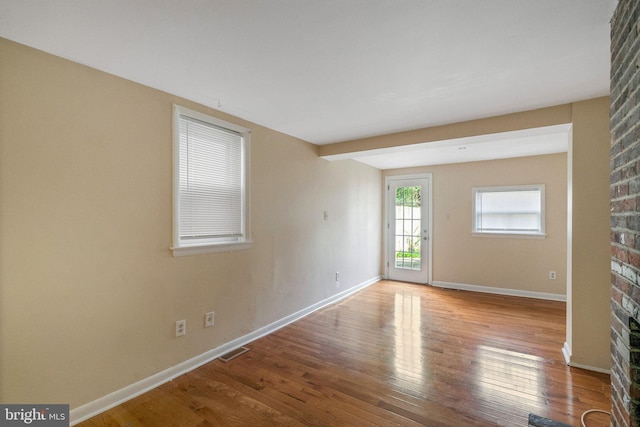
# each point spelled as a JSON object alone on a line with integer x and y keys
{"x": 553, "y": 275}
{"x": 337, "y": 276}
{"x": 181, "y": 328}
{"x": 209, "y": 318}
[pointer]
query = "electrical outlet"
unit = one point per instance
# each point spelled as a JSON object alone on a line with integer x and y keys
{"x": 337, "y": 276}
{"x": 553, "y": 275}
{"x": 209, "y": 319}
{"x": 181, "y": 328}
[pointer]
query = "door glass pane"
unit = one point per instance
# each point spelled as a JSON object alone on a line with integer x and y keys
{"x": 407, "y": 231}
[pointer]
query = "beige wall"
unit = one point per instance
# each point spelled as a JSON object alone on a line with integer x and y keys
{"x": 89, "y": 290}
{"x": 521, "y": 264}
{"x": 590, "y": 237}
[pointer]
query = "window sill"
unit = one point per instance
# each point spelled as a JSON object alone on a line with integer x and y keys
{"x": 510, "y": 235}
{"x": 211, "y": 248}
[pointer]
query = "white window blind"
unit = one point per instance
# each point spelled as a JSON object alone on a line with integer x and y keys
{"x": 509, "y": 210}
{"x": 211, "y": 179}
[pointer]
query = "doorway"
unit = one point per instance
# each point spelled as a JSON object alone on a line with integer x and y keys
{"x": 408, "y": 236}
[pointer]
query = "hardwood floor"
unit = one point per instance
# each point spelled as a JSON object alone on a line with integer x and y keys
{"x": 392, "y": 354}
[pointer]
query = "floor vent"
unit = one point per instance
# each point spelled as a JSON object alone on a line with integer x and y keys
{"x": 537, "y": 421}
{"x": 233, "y": 354}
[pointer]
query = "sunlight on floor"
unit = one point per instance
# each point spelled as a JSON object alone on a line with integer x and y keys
{"x": 408, "y": 361}
{"x": 510, "y": 376}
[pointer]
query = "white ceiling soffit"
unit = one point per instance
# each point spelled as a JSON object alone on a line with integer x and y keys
{"x": 334, "y": 70}
{"x": 529, "y": 142}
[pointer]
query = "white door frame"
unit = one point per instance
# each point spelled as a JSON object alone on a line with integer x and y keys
{"x": 386, "y": 225}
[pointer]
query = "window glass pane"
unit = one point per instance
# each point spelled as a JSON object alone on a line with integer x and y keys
{"x": 408, "y": 228}
{"x": 509, "y": 211}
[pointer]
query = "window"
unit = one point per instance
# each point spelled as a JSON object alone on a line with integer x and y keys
{"x": 211, "y": 184}
{"x": 515, "y": 210}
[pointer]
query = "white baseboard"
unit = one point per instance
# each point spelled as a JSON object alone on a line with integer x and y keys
{"x": 566, "y": 351}
{"x": 104, "y": 403}
{"x": 500, "y": 291}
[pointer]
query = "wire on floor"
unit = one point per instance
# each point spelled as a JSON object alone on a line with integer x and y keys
{"x": 585, "y": 413}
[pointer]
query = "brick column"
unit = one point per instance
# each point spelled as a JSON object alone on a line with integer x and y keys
{"x": 625, "y": 214}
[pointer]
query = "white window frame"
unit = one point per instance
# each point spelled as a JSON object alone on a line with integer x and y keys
{"x": 183, "y": 247}
{"x": 539, "y": 234}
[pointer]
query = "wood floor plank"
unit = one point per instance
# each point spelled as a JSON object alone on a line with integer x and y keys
{"x": 393, "y": 354}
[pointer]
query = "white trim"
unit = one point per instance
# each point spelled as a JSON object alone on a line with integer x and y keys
{"x": 566, "y": 352}
{"x": 569, "y": 285}
{"x": 111, "y": 400}
{"x": 214, "y": 247}
{"x": 508, "y": 235}
{"x": 501, "y": 291}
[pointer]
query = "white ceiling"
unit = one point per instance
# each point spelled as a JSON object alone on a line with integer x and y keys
{"x": 334, "y": 70}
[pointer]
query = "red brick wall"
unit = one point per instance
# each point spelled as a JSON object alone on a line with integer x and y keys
{"x": 625, "y": 213}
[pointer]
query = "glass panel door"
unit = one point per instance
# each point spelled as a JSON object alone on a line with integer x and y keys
{"x": 408, "y": 238}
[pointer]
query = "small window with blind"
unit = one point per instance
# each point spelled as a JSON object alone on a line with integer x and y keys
{"x": 211, "y": 184}
{"x": 510, "y": 211}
